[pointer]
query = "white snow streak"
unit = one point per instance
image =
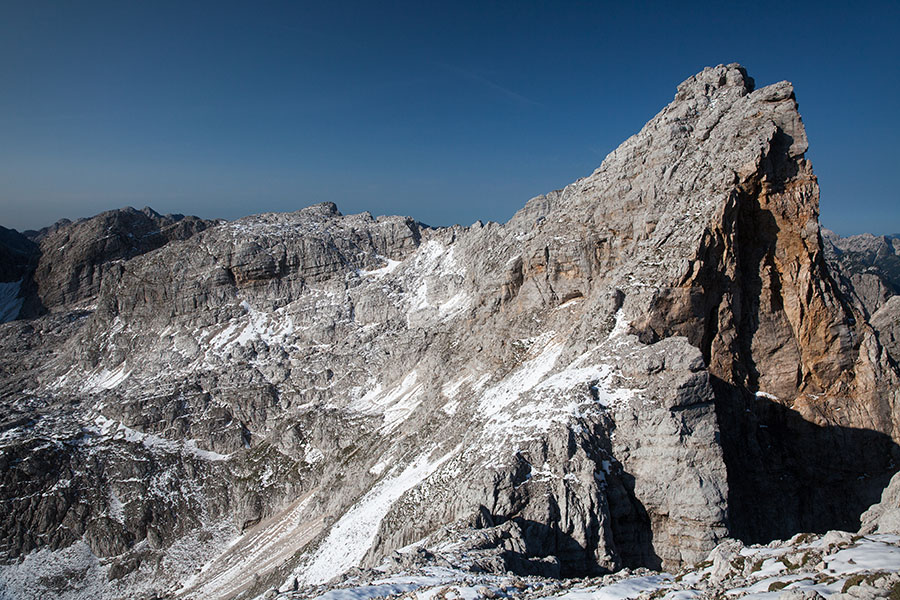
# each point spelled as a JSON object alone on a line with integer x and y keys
{"x": 395, "y": 404}
{"x": 119, "y": 431}
{"x": 352, "y": 536}
{"x": 262, "y": 549}
{"x": 389, "y": 267}
{"x": 106, "y": 379}
{"x": 523, "y": 379}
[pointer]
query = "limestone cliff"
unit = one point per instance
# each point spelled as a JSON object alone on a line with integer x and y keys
{"x": 628, "y": 371}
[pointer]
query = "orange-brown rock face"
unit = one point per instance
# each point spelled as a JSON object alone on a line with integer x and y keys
{"x": 759, "y": 301}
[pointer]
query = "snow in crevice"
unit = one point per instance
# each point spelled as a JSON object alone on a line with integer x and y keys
{"x": 389, "y": 267}
{"x": 350, "y": 538}
{"x": 10, "y": 303}
{"x": 116, "y": 508}
{"x": 312, "y": 455}
{"x": 106, "y": 379}
{"x": 620, "y": 329}
{"x": 394, "y": 404}
{"x": 117, "y": 431}
{"x": 274, "y": 328}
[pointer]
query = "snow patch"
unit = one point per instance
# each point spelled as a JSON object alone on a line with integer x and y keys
{"x": 389, "y": 267}
{"x": 272, "y": 328}
{"x": 259, "y": 551}
{"x": 76, "y": 565}
{"x": 456, "y": 305}
{"x": 313, "y": 456}
{"x": 523, "y": 379}
{"x": 118, "y": 431}
{"x": 529, "y": 401}
{"x": 621, "y": 327}
{"x": 871, "y": 553}
{"x": 351, "y": 537}
{"x": 108, "y": 380}
{"x": 116, "y": 508}
{"x": 623, "y": 590}
{"x": 395, "y": 404}
{"x": 367, "y": 592}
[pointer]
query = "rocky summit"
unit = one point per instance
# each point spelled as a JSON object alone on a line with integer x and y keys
{"x": 665, "y": 361}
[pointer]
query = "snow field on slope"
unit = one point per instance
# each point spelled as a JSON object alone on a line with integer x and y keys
{"x": 433, "y": 264}
{"x": 875, "y": 552}
{"x": 274, "y": 329}
{"x": 351, "y": 537}
{"x": 622, "y": 590}
{"x": 395, "y": 404}
{"x": 530, "y": 399}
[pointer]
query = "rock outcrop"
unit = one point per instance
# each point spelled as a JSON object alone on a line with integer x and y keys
{"x": 627, "y": 372}
{"x": 62, "y": 266}
{"x": 866, "y": 266}
{"x": 886, "y": 322}
{"x": 18, "y": 259}
{"x": 884, "y": 517}
{"x": 74, "y": 256}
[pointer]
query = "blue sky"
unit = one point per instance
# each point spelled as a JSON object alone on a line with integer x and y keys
{"x": 448, "y": 112}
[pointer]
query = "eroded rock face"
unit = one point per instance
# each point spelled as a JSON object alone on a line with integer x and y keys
{"x": 74, "y": 256}
{"x": 608, "y": 380}
{"x": 18, "y": 259}
{"x": 866, "y": 266}
{"x": 886, "y": 322}
{"x": 884, "y": 517}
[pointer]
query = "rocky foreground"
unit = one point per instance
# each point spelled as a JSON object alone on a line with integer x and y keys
{"x": 662, "y": 364}
{"x": 837, "y": 565}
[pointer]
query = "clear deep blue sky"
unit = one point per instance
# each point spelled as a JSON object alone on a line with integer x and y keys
{"x": 448, "y": 112}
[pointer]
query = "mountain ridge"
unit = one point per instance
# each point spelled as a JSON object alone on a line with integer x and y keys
{"x": 607, "y": 380}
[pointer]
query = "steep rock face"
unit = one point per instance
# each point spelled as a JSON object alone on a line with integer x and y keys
{"x": 596, "y": 384}
{"x": 17, "y": 255}
{"x": 866, "y": 266}
{"x": 884, "y": 517}
{"x": 18, "y": 258}
{"x": 74, "y": 256}
{"x": 886, "y": 322}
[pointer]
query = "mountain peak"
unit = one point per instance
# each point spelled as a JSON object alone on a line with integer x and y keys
{"x": 712, "y": 79}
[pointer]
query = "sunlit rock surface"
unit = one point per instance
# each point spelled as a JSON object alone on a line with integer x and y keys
{"x": 630, "y": 371}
